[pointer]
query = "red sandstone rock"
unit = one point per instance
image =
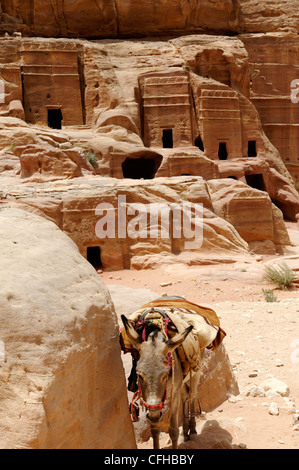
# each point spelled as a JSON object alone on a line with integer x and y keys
{"x": 113, "y": 18}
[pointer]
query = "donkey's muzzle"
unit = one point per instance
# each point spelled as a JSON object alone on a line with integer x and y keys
{"x": 154, "y": 416}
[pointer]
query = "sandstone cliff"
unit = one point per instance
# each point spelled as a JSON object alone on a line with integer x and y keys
{"x": 117, "y": 18}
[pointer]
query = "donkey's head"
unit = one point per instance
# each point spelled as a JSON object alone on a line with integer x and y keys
{"x": 154, "y": 366}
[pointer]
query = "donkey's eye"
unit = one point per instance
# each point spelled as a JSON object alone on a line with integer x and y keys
{"x": 140, "y": 378}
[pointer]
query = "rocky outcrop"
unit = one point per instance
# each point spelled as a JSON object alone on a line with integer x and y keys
{"x": 59, "y": 344}
{"x": 252, "y": 213}
{"x": 117, "y": 18}
{"x": 268, "y": 15}
{"x": 42, "y": 163}
{"x": 77, "y": 206}
{"x": 150, "y": 108}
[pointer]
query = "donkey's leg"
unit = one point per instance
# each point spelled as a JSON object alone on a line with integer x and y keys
{"x": 184, "y": 397}
{"x": 174, "y": 429}
{"x": 193, "y": 394}
{"x": 156, "y": 437}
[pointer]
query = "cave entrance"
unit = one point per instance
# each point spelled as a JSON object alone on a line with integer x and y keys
{"x": 252, "y": 148}
{"x": 222, "y": 151}
{"x": 55, "y": 118}
{"x": 94, "y": 256}
{"x": 256, "y": 181}
{"x": 167, "y": 138}
{"x": 199, "y": 143}
{"x": 137, "y": 168}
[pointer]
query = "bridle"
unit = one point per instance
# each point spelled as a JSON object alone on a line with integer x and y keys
{"x": 138, "y": 395}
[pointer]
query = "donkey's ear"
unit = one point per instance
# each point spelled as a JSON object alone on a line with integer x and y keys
{"x": 130, "y": 330}
{"x": 174, "y": 342}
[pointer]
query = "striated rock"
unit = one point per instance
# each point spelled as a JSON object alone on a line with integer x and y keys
{"x": 117, "y": 18}
{"x": 273, "y": 92}
{"x": 59, "y": 344}
{"x": 73, "y": 204}
{"x": 251, "y": 212}
{"x": 268, "y": 15}
{"x": 43, "y": 163}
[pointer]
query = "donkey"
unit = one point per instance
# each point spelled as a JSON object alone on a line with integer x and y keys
{"x": 159, "y": 375}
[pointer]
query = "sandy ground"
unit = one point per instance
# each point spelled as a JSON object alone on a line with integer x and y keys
{"x": 262, "y": 342}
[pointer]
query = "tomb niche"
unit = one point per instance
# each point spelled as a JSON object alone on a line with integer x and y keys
{"x": 252, "y": 148}
{"x": 51, "y": 81}
{"x": 166, "y": 109}
{"x": 94, "y": 256}
{"x": 141, "y": 167}
{"x": 222, "y": 151}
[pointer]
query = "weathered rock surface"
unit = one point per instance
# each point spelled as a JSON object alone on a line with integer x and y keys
{"x": 251, "y": 212}
{"x": 42, "y": 163}
{"x": 157, "y": 107}
{"x": 60, "y": 353}
{"x": 217, "y": 382}
{"x": 117, "y": 18}
{"x": 75, "y": 206}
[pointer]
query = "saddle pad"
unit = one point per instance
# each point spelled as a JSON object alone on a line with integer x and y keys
{"x": 206, "y": 331}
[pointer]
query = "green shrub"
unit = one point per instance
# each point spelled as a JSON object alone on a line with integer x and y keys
{"x": 269, "y": 295}
{"x": 281, "y": 274}
{"x": 92, "y": 159}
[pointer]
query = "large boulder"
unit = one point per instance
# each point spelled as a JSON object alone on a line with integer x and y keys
{"x": 62, "y": 382}
{"x": 252, "y": 213}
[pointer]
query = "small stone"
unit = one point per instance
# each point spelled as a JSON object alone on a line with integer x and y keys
{"x": 241, "y": 445}
{"x": 252, "y": 374}
{"x": 232, "y": 399}
{"x": 276, "y": 386}
{"x": 273, "y": 409}
{"x": 165, "y": 284}
{"x": 279, "y": 363}
{"x": 295, "y": 419}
